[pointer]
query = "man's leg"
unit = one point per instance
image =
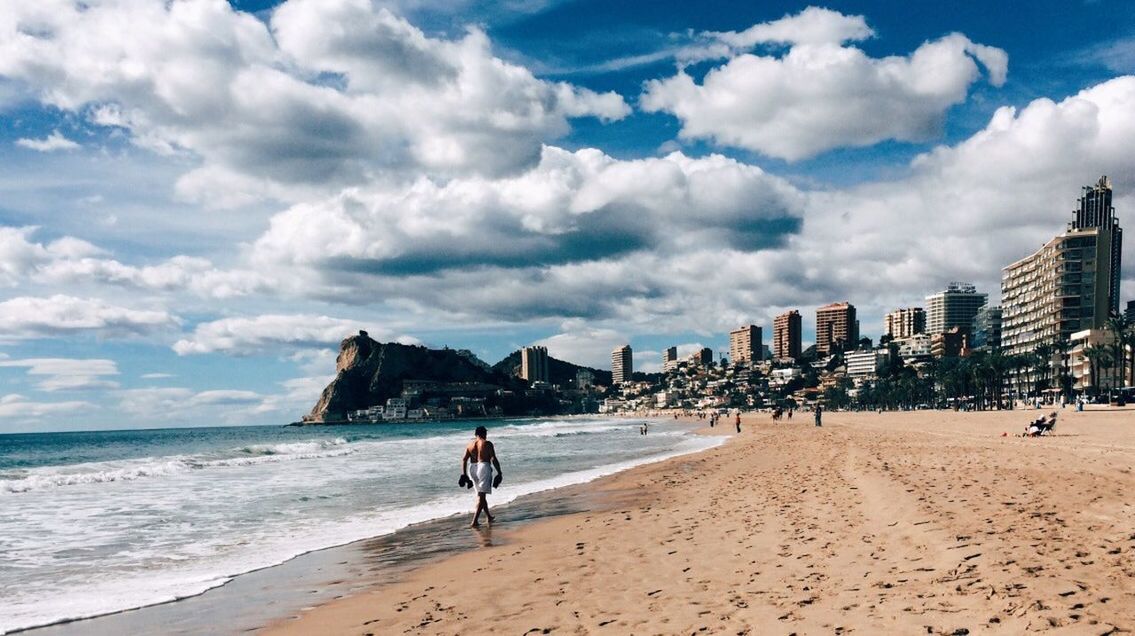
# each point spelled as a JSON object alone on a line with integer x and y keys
{"x": 480, "y": 507}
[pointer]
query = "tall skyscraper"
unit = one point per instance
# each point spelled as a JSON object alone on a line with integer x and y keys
{"x": 622, "y": 364}
{"x": 786, "y": 335}
{"x": 1129, "y": 313}
{"x": 1096, "y": 212}
{"x": 836, "y": 327}
{"x": 745, "y": 345}
{"x": 1070, "y": 284}
{"x": 534, "y": 364}
{"x": 905, "y": 322}
{"x": 955, "y": 306}
{"x": 670, "y": 359}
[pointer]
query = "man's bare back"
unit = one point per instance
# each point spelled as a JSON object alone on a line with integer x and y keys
{"x": 480, "y": 450}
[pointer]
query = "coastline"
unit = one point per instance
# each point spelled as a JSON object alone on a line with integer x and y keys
{"x": 248, "y": 600}
{"x": 928, "y": 522}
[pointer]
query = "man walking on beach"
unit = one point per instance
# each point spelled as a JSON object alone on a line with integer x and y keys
{"x": 481, "y": 458}
{"x": 819, "y": 412}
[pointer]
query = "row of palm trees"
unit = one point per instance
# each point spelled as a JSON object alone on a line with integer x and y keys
{"x": 990, "y": 379}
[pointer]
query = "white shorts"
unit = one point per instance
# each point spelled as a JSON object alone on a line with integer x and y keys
{"x": 482, "y": 475}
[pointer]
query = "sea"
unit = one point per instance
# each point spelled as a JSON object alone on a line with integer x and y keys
{"x": 93, "y": 523}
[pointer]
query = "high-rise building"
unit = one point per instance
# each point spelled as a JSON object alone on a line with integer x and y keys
{"x": 1130, "y": 312}
{"x": 905, "y": 322}
{"x": 622, "y": 364}
{"x": 952, "y": 307}
{"x": 1095, "y": 211}
{"x": 836, "y": 328}
{"x": 534, "y": 364}
{"x": 1070, "y": 284}
{"x": 745, "y": 345}
{"x": 670, "y": 359}
{"x": 786, "y": 336}
{"x": 986, "y": 333}
{"x": 701, "y": 358}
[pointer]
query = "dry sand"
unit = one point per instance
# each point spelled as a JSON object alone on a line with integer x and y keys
{"x": 912, "y": 523}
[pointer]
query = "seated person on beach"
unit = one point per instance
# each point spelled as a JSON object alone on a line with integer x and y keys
{"x": 481, "y": 458}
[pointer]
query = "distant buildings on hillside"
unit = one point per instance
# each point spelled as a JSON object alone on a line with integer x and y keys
{"x": 1056, "y": 300}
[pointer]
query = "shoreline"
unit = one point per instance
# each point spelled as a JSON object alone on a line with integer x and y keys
{"x": 928, "y": 522}
{"x": 341, "y": 563}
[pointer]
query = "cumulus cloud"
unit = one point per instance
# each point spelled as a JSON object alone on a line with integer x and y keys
{"x": 328, "y": 92}
{"x": 822, "y": 94}
{"x": 276, "y": 334}
{"x": 68, "y": 374}
{"x": 571, "y": 207}
{"x": 69, "y": 260}
{"x": 51, "y": 143}
{"x": 33, "y": 317}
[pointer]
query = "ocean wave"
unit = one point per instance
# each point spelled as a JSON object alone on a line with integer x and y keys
{"x": 130, "y": 470}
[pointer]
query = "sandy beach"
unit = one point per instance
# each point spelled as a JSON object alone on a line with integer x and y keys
{"x": 928, "y": 522}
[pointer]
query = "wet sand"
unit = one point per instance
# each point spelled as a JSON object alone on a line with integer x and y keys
{"x": 923, "y": 522}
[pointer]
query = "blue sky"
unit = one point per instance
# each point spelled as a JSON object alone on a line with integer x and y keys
{"x": 194, "y": 211}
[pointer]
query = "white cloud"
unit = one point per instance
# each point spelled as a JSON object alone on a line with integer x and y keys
{"x": 20, "y": 408}
{"x": 278, "y": 334}
{"x": 327, "y": 93}
{"x": 156, "y": 376}
{"x": 32, "y": 317}
{"x": 571, "y": 207}
{"x": 69, "y": 260}
{"x": 68, "y": 374}
{"x": 821, "y": 94}
{"x": 813, "y": 25}
{"x": 54, "y": 141}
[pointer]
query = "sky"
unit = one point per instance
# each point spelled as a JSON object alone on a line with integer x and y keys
{"x": 199, "y": 199}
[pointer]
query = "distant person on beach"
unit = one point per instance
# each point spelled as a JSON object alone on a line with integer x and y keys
{"x": 819, "y": 412}
{"x": 481, "y": 458}
{"x": 737, "y": 421}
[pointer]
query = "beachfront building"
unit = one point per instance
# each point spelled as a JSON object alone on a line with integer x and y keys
{"x": 862, "y": 365}
{"x": 836, "y": 328}
{"x": 949, "y": 344}
{"x": 1070, "y": 284}
{"x": 745, "y": 345}
{"x": 952, "y": 307}
{"x": 622, "y": 364}
{"x": 786, "y": 336}
{"x": 905, "y": 322}
{"x": 670, "y": 359}
{"x": 1090, "y": 375}
{"x": 916, "y": 348}
{"x": 534, "y": 364}
{"x": 986, "y": 333}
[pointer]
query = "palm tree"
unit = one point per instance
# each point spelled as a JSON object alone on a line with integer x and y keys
{"x": 1123, "y": 332}
{"x": 1098, "y": 357}
{"x": 1063, "y": 346}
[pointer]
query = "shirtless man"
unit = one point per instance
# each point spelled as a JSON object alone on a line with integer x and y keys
{"x": 481, "y": 457}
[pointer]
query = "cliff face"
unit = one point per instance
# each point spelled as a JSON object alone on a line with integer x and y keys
{"x": 370, "y": 372}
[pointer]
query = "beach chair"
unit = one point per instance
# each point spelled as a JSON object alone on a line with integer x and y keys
{"x": 1047, "y": 425}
